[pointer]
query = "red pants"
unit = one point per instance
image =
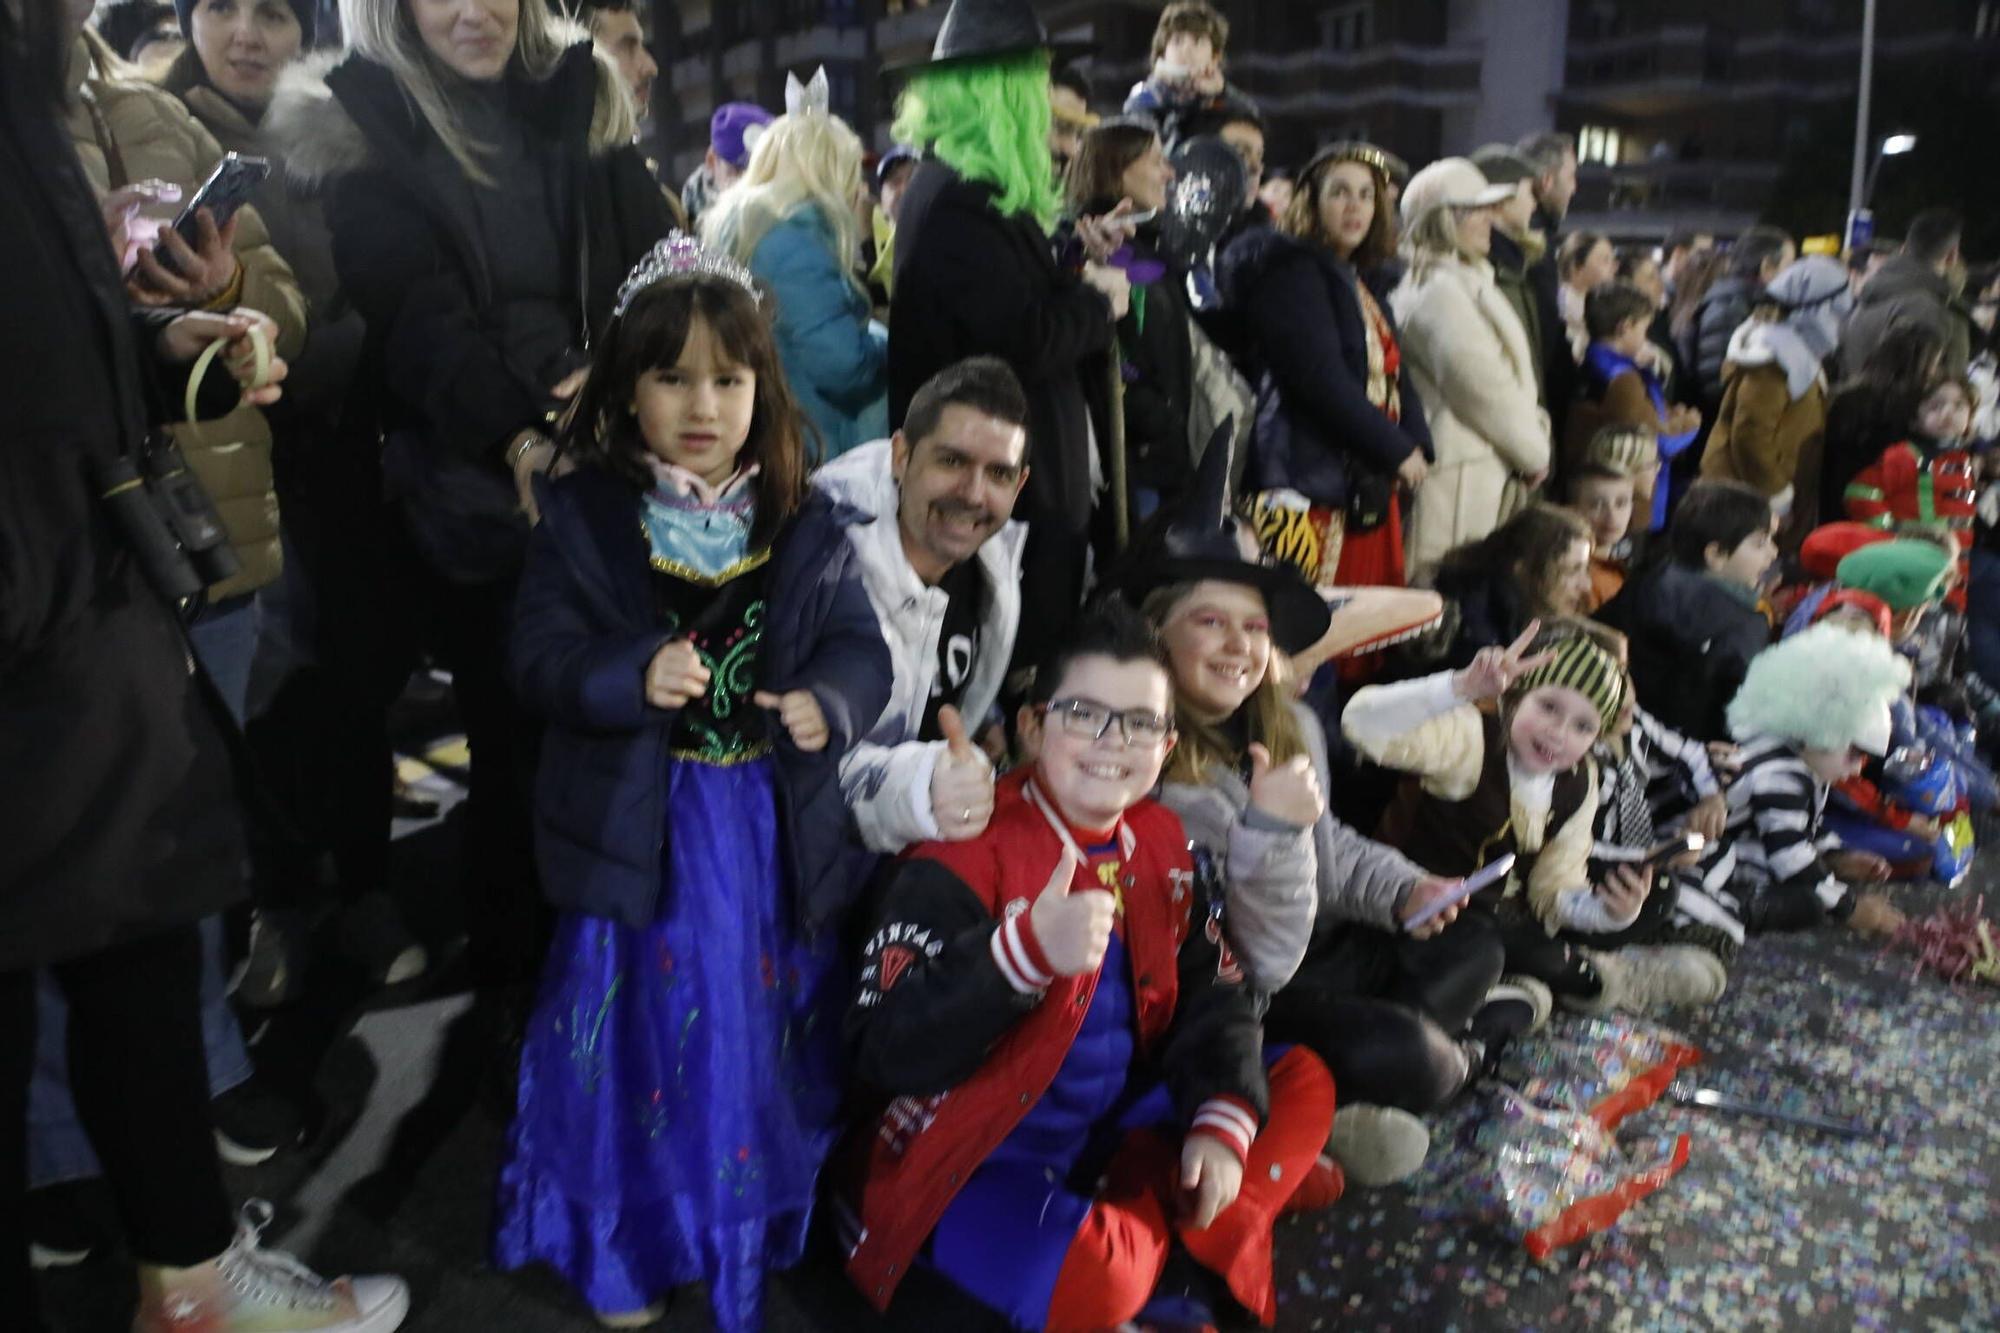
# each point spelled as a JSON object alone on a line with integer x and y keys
{"x": 1118, "y": 1254}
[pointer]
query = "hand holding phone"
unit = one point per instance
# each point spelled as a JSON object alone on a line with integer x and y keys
{"x": 227, "y": 189}
{"x": 195, "y": 257}
{"x": 1481, "y": 878}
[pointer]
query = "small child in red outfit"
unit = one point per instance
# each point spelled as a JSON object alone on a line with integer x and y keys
{"x": 1072, "y": 1067}
{"x": 1929, "y": 478}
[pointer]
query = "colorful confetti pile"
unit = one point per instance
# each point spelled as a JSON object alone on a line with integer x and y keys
{"x": 1768, "y": 1226}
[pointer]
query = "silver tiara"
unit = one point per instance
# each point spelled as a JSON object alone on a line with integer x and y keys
{"x": 681, "y": 253}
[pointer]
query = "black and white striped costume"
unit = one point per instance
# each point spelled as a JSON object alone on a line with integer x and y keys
{"x": 1661, "y": 769}
{"x": 1780, "y": 881}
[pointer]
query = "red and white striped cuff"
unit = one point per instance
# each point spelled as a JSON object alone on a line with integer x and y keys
{"x": 1020, "y": 957}
{"x": 1230, "y": 1119}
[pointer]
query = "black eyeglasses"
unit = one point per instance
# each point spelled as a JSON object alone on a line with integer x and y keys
{"x": 1089, "y": 721}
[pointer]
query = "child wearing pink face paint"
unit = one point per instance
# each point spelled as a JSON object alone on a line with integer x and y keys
{"x": 1491, "y": 781}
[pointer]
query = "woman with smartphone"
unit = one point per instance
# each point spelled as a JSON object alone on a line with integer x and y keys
{"x": 475, "y": 161}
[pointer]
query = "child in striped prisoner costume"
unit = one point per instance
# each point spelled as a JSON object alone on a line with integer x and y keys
{"x": 1809, "y": 711}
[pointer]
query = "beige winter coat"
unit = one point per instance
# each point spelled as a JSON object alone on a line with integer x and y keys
{"x": 1470, "y": 360}
{"x": 154, "y": 137}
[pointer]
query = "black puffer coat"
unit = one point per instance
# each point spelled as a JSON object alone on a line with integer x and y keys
{"x": 408, "y": 247}
{"x": 117, "y": 800}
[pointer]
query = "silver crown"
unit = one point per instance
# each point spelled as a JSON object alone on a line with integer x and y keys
{"x": 681, "y": 253}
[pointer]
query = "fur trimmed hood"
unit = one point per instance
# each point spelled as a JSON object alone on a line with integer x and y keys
{"x": 320, "y": 140}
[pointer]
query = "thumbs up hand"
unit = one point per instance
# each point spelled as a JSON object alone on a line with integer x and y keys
{"x": 1073, "y": 929}
{"x": 1288, "y": 791}
{"x": 961, "y": 783}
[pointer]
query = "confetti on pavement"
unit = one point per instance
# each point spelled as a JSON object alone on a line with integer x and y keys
{"x": 1769, "y": 1226}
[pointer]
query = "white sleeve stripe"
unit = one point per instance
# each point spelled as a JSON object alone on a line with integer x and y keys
{"x": 1226, "y": 1127}
{"x": 1215, "y": 1106}
{"x": 1012, "y": 957}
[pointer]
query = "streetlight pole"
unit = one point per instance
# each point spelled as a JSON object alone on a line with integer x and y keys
{"x": 1857, "y": 186}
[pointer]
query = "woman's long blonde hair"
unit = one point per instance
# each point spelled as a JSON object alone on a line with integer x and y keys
{"x": 1204, "y": 745}
{"x": 809, "y": 158}
{"x": 384, "y": 32}
{"x": 1431, "y": 238}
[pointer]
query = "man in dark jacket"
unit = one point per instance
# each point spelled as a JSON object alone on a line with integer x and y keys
{"x": 1922, "y": 286}
{"x": 1757, "y": 256}
{"x": 1516, "y": 246}
{"x": 1553, "y": 158}
{"x": 971, "y": 280}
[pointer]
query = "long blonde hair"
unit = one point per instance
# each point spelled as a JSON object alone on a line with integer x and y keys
{"x": 1204, "y": 745}
{"x": 808, "y": 158}
{"x": 1431, "y": 239}
{"x": 384, "y": 32}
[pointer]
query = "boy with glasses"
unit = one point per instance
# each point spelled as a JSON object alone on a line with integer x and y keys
{"x": 1067, "y": 1066}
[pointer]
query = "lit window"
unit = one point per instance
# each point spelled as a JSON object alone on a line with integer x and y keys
{"x": 1600, "y": 144}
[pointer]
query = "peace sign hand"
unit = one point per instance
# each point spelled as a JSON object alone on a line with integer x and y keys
{"x": 1494, "y": 669}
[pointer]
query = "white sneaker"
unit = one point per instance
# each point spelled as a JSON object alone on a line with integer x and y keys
{"x": 1530, "y": 991}
{"x": 248, "y": 1289}
{"x": 1664, "y": 975}
{"x": 1378, "y": 1145}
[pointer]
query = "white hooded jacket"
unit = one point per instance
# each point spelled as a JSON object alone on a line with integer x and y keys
{"x": 886, "y": 778}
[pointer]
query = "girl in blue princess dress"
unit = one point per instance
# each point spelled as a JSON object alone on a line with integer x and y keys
{"x": 694, "y": 632}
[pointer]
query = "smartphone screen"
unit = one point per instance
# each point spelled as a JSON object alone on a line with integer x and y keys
{"x": 227, "y": 189}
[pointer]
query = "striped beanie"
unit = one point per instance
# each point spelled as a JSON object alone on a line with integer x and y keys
{"x": 1576, "y": 663}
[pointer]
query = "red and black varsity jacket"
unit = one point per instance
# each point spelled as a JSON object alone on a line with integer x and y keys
{"x": 960, "y": 1026}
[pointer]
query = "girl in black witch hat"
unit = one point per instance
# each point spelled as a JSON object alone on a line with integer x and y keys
{"x": 1315, "y": 911}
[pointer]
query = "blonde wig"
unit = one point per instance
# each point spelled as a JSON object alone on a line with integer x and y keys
{"x": 805, "y": 159}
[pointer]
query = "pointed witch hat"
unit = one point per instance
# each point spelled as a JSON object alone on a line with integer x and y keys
{"x": 1200, "y": 538}
{"x": 990, "y": 30}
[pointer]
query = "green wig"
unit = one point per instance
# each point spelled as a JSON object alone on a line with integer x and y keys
{"x": 989, "y": 122}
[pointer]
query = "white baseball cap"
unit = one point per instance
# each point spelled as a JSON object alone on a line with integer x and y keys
{"x": 1452, "y": 181}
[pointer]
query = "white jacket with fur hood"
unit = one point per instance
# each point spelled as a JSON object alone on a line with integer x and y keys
{"x": 1469, "y": 358}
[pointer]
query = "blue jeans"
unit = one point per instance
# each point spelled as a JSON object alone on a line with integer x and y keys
{"x": 225, "y": 639}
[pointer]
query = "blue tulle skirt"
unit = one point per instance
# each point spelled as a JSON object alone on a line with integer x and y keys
{"x": 680, "y": 1085}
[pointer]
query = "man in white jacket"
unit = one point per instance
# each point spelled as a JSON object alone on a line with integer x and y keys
{"x": 941, "y": 560}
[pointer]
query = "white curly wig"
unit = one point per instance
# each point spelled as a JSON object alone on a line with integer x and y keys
{"x": 1825, "y": 687}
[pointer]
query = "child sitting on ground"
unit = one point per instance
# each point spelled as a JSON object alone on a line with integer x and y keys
{"x": 1535, "y": 566}
{"x": 1602, "y": 493}
{"x": 1186, "y": 77}
{"x": 1930, "y": 477}
{"x": 1677, "y": 951}
{"x": 1810, "y": 710}
{"x": 1621, "y": 388}
{"x": 1021, "y": 993}
{"x": 1515, "y": 779}
{"x": 1691, "y": 611}
{"x": 1820, "y": 555}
